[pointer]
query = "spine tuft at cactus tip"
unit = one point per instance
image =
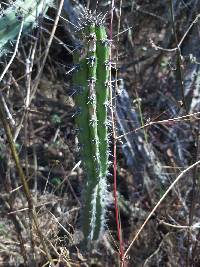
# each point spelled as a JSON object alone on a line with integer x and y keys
{"x": 91, "y": 80}
{"x": 10, "y": 19}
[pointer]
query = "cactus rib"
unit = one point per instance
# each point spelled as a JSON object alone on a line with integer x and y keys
{"x": 93, "y": 74}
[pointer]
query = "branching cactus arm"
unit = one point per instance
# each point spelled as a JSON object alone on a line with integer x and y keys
{"x": 10, "y": 19}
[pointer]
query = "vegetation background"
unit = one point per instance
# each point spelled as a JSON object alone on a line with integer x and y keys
{"x": 157, "y": 53}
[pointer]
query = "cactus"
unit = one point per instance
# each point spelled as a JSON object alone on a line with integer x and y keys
{"x": 10, "y": 19}
{"x": 91, "y": 80}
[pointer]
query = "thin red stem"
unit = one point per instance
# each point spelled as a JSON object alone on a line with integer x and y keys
{"x": 121, "y": 249}
{"x": 116, "y": 203}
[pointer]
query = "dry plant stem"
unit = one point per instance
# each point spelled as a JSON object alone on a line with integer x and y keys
{"x": 156, "y": 206}
{"x": 8, "y": 113}
{"x": 156, "y": 252}
{"x": 64, "y": 229}
{"x": 121, "y": 246}
{"x": 37, "y": 79}
{"x": 195, "y": 135}
{"x": 177, "y": 119}
{"x": 14, "y": 217}
{"x": 182, "y": 227}
{"x": 15, "y": 52}
{"x": 29, "y": 63}
{"x": 113, "y": 106}
{"x": 193, "y": 198}
{"x": 195, "y": 248}
{"x": 60, "y": 42}
{"x": 32, "y": 257}
{"x": 32, "y": 212}
{"x": 29, "y": 68}
{"x": 35, "y": 164}
{"x": 181, "y": 41}
{"x": 66, "y": 179}
{"x": 180, "y": 74}
{"x": 179, "y": 60}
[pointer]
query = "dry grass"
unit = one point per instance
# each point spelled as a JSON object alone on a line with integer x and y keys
{"x": 163, "y": 142}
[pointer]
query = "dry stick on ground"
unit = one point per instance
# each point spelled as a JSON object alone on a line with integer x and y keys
{"x": 156, "y": 206}
{"x": 32, "y": 212}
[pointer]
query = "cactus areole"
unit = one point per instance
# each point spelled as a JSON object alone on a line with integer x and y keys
{"x": 90, "y": 81}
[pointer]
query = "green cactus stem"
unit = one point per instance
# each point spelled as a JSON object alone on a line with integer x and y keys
{"x": 91, "y": 82}
{"x": 10, "y": 19}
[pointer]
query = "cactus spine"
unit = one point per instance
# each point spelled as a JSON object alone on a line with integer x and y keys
{"x": 10, "y": 19}
{"x": 91, "y": 84}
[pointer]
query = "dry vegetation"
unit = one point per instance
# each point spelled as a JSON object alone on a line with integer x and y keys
{"x": 159, "y": 80}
